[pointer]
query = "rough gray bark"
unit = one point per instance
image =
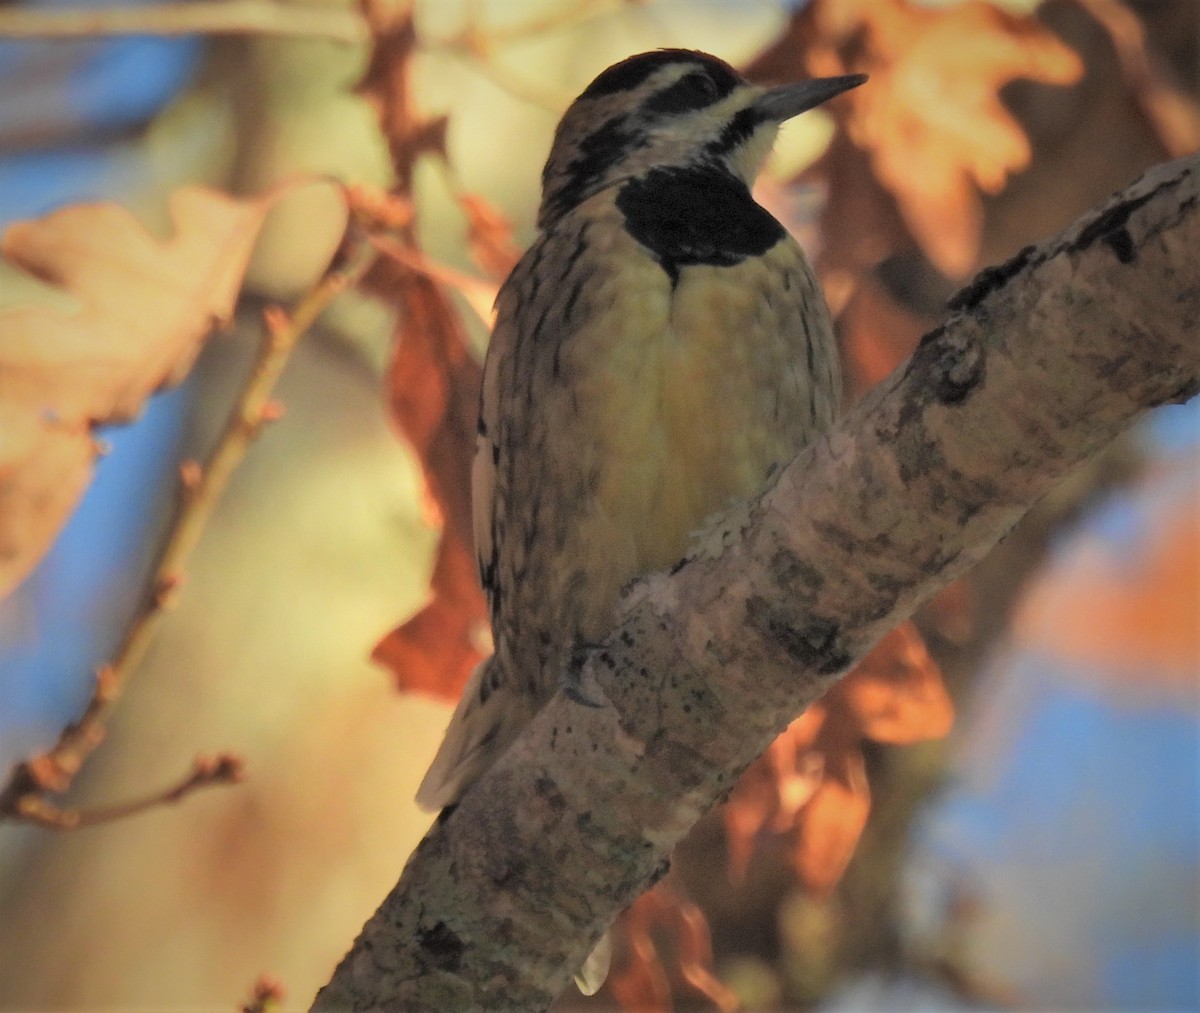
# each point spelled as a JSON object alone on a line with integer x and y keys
{"x": 1044, "y": 360}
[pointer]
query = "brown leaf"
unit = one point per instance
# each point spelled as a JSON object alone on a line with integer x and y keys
{"x": 812, "y": 780}
{"x": 386, "y": 85}
{"x": 434, "y": 395}
{"x": 933, "y": 120}
{"x": 896, "y": 694}
{"x": 433, "y": 383}
{"x": 877, "y": 333}
{"x": 642, "y": 979}
{"x": 833, "y": 822}
{"x": 1130, "y": 617}
{"x": 435, "y": 651}
{"x": 930, "y": 120}
{"x": 693, "y": 941}
{"x": 773, "y": 789}
{"x": 860, "y": 223}
{"x": 144, "y": 306}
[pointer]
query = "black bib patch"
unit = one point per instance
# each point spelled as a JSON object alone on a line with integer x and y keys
{"x": 696, "y": 216}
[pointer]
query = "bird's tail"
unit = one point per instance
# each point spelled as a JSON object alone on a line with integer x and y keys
{"x": 482, "y": 727}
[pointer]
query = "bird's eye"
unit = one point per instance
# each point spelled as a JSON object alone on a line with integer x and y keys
{"x": 702, "y": 85}
{"x": 693, "y": 91}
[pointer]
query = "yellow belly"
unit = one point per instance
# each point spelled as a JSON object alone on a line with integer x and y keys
{"x": 692, "y": 395}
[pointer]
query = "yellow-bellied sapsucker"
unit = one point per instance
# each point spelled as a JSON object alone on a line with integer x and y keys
{"x": 660, "y": 349}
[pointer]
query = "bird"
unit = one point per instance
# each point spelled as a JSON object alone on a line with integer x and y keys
{"x": 659, "y": 351}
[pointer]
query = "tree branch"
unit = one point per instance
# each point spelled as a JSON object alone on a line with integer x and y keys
{"x": 1044, "y": 360}
{"x": 196, "y": 17}
{"x": 206, "y": 772}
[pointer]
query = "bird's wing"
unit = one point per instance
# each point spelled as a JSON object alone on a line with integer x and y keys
{"x": 485, "y": 720}
{"x": 535, "y": 315}
{"x": 487, "y": 456}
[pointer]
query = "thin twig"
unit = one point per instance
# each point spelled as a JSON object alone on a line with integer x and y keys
{"x": 206, "y": 772}
{"x": 292, "y": 20}
{"x": 253, "y": 17}
{"x": 200, "y": 488}
{"x": 202, "y": 17}
{"x": 479, "y": 294}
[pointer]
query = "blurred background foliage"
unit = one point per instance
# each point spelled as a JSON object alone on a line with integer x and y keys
{"x": 1044, "y": 855}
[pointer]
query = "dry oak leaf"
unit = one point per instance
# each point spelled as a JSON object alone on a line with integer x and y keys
{"x": 896, "y": 694}
{"x": 386, "y": 84}
{"x": 144, "y": 305}
{"x": 812, "y": 780}
{"x": 931, "y": 120}
{"x": 433, "y": 383}
{"x": 833, "y": 822}
{"x": 1127, "y": 615}
{"x": 878, "y": 333}
{"x": 643, "y": 976}
{"x": 434, "y": 397}
{"x": 772, "y": 790}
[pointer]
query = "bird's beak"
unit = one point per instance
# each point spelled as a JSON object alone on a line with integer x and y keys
{"x": 790, "y": 100}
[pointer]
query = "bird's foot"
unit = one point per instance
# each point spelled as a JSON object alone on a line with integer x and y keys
{"x": 577, "y": 684}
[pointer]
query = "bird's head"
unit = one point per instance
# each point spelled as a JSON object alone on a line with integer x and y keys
{"x": 672, "y": 107}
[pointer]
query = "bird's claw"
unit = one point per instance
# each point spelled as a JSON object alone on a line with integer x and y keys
{"x": 576, "y": 685}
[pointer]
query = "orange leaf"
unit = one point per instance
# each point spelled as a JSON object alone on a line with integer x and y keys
{"x": 435, "y": 650}
{"x": 933, "y": 120}
{"x": 773, "y": 789}
{"x": 930, "y": 119}
{"x": 877, "y": 333}
{"x": 434, "y": 395}
{"x": 385, "y": 84}
{"x": 833, "y": 822}
{"x": 745, "y": 813}
{"x": 642, "y": 979}
{"x": 433, "y": 383}
{"x": 144, "y": 307}
{"x": 694, "y": 947}
{"x": 639, "y": 982}
{"x": 480, "y": 295}
{"x": 896, "y": 693}
{"x": 1133, "y": 618}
